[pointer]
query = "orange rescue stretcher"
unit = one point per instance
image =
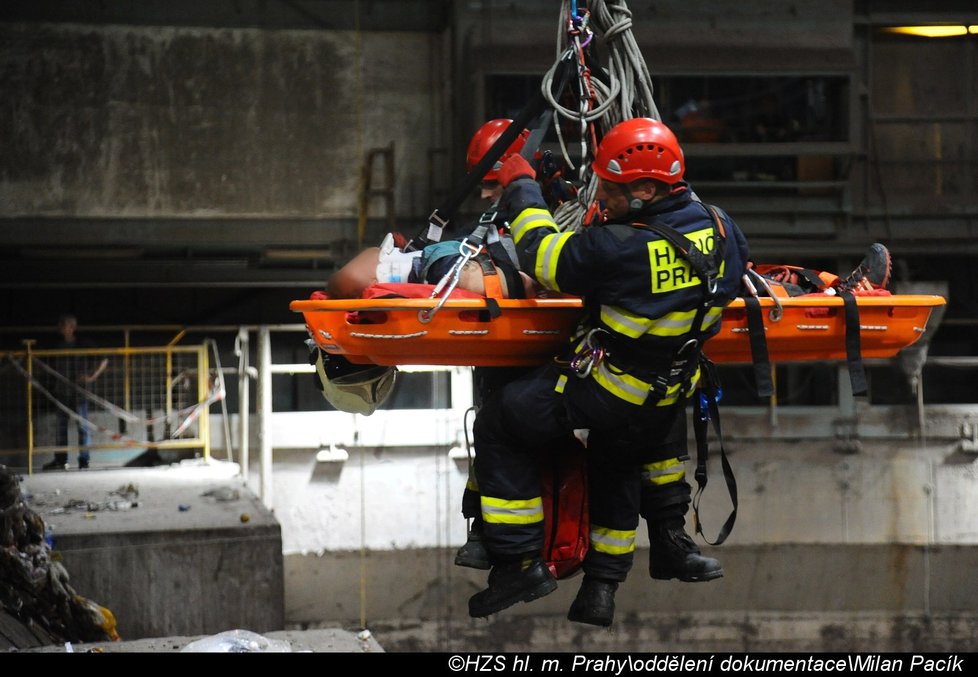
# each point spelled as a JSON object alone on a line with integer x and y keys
{"x": 464, "y": 331}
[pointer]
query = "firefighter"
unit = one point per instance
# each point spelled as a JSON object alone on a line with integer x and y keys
{"x": 361, "y": 389}
{"x": 473, "y": 553}
{"x": 634, "y": 364}
{"x": 392, "y": 262}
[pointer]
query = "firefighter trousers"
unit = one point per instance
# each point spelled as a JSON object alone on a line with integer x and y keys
{"x": 627, "y": 445}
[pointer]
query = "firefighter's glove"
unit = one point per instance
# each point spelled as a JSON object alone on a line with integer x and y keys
{"x": 515, "y": 167}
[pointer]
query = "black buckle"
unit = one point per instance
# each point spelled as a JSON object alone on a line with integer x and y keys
{"x": 659, "y": 387}
{"x": 711, "y": 376}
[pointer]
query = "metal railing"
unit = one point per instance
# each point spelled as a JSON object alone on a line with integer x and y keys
{"x": 152, "y": 398}
{"x": 146, "y": 398}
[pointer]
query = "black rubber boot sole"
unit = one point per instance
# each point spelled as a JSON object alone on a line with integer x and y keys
{"x": 472, "y": 558}
{"x": 481, "y": 606}
{"x": 602, "y": 618}
{"x": 667, "y": 575}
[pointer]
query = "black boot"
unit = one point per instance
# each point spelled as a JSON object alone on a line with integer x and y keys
{"x": 674, "y": 555}
{"x": 473, "y": 553}
{"x": 60, "y": 462}
{"x": 595, "y": 602}
{"x": 511, "y": 582}
{"x": 873, "y": 272}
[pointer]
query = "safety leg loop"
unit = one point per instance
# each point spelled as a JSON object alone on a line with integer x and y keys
{"x": 705, "y": 409}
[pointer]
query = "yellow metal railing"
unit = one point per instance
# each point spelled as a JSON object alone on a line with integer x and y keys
{"x": 146, "y": 398}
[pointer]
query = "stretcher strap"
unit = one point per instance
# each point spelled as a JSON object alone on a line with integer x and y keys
{"x": 813, "y": 279}
{"x": 758, "y": 347}
{"x": 494, "y": 289}
{"x": 857, "y": 374}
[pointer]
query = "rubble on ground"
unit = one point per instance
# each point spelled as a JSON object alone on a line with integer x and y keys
{"x": 36, "y": 590}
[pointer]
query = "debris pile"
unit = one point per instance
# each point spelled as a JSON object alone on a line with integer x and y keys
{"x": 35, "y": 586}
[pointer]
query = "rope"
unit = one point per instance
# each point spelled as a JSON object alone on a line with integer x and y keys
{"x": 628, "y": 94}
{"x": 363, "y": 489}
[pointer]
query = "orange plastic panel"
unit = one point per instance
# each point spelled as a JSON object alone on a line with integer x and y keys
{"x": 530, "y": 331}
{"x": 813, "y": 328}
{"x": 407, "y": 331}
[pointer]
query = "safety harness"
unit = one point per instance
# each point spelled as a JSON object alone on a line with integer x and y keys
{"x": 689, "y": 357}
{"x": 486, "y": 247}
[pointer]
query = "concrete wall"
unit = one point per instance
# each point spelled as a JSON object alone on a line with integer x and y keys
{"x": 858, "y": 551}
{"x": 393, "y": 498}
{"x": 175, "y": 550}
{"x": 827, "y": 597}
{"x": 161, "y": 583}
{"x": 132, "y": 121}
{"x": 864, "y": 551}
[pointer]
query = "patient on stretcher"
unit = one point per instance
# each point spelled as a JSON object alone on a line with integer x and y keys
{"x": 869, "y": 278}
{"x": 388, "y": 263}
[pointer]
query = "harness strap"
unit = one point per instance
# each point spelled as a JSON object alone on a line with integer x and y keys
{"x": 442, "y": 216}
{"x": 682, "y": 364}
{"x": 706, "y": 266}
{"x": 706, "y": 409}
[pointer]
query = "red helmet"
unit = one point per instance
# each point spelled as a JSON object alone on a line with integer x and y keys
{"x": 483, "y": 140}
{"x": 640, "y": 148}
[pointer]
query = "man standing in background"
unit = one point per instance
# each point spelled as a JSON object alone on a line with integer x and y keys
{"x": 75, "y": 368}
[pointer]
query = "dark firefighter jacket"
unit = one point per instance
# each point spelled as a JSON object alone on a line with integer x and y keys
{"x": 640, "y": 293}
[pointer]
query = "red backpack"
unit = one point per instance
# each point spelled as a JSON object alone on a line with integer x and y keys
{"x": 566, "y": 520}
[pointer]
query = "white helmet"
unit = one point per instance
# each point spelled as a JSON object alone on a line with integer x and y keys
{"x": 355, "y": 389}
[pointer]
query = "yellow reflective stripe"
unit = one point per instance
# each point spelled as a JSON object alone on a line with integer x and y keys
{"x": 635, "y": 390}
{"x": 545, "y": 268}
{"x": 529, "y": 219}
{"x": 561, "y": 383}
{"x": 676, "y": 323}
{"x": 503, "y": 511}
{"x": 624, "y": 322}
{"x": 612, "y": 541}
{"x": 712, "y": 315}
{"x": 663, "y": 472}
{"x": 629, "y": 388}
{"x": 624, "y": 386}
